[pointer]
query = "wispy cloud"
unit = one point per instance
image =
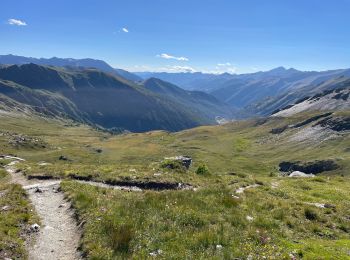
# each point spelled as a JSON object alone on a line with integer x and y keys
{"x": 224, "y": 64}
{"x": 181, "y": 69}
{"x": 16, "y": 22}
{"x": 168, "y": 68}
{"x": 125, "y": 30}
{"x": 170, "y": 57}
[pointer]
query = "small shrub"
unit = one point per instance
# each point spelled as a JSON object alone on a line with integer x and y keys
{"x": 242, "y": 175}
{"x": 310, "y": 214}
{"x": 202, "y": 170}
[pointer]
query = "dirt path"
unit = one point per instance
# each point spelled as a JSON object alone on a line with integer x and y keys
{"x": 59, "y": 235}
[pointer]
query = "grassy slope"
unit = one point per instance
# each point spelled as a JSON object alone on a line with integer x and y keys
{"x": 191, "y": 224}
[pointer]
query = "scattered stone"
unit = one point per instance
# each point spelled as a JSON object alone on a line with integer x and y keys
{"x": 249, "y": 218}
{"x": 242, "y": 189}
{"x": 38, "y": 190}
{"x": 186, "y": 161}
{"x": 43, "y": 163}
{"x": 61, "y": 206}
{"x": 297, "y": 174}
{"x": 63, "y": 158}
{"x": 99, "y": 150}
{"x": 156, "y": 252}
{"x": 279, "y": 130}
{"x": 219, "y": 247}
{"x": 329, "y": 206}
{"x": 318, "y": 205}
{"x": 337, "y": 124}
{"x": 5, "y": 208}
{"x": 35, "y": 227}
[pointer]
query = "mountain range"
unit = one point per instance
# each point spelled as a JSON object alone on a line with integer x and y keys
{"x": 107, "y": 100}
{"x": 92, "y": 91}
{"x": 260, "y": 93}
{"x": 69, "y": 62}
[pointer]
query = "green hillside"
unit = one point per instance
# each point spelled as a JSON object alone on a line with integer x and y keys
{"x": 90, "y": 95}
{"x": 278, "y": 217}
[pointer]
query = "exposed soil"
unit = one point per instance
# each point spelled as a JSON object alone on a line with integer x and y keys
{"x": 59, "y": 235}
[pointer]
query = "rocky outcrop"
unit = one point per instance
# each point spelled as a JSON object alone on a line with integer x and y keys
{"x": 171, "y": 162}
{"x": 314, "y": 167}
{"x": 338, "y": 124}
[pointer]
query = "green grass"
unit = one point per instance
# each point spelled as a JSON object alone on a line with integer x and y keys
{"x": 191, "y": 224}
{"x": 16, "y": 214}
{"x": 187, "y": 224}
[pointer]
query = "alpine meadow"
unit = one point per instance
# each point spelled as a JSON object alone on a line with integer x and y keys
{"x": 174, "y": 130}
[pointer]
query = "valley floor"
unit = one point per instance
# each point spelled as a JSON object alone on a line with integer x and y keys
{"x": 213, "y": 217}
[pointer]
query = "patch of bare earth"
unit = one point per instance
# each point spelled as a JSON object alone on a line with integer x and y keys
{"x": 59, "y": 235}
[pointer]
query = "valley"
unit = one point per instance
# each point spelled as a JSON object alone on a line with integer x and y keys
{"x": 275, "y": 217}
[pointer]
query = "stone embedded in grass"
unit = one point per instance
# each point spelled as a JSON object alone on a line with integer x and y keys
{"x": 156, "y": 252}
{"x": 177, "y": 162}
{"x": 300, "y": 174}
{"x": 63, "y": 158}
{"x": 219, "y": 247}
{"x": 5, "y": 208}
{"x": 249, "y": 218}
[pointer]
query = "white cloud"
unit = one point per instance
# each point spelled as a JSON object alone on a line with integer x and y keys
{"x": 125, "y": 30}
{"x": 170, "y": 57}
{"x": 224, "y": 64}
{"x": 181, "y": 69}
{"x": 16, "y": 22}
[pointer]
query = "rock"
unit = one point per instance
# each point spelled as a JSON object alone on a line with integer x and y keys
{"x": 279, "y": 130}
{"x": 38, "y": 190}
{"x": 329, "y": 206}
{"x": 218, "y": 247}
{"x": 300, "y": 174}
{"x": 61, "y": 205}
{"x": 5, "y": 208}
{"x": 63, "y": 158}
{"x": 156, "y": 253}
{"x": 308, "y": 167}
{"x": 337, "y": 124}
{"x": 185, "y": 160}
{"x": 34, "y": 228}
{"x": 318, "y": 205}
{"x": 98, "y": 150}
{"x": 249, "y": 218}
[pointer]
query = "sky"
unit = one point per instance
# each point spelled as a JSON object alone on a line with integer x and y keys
{"x": 216, "y": 36}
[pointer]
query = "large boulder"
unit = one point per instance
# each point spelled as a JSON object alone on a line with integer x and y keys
{"x": 300, "y": 174}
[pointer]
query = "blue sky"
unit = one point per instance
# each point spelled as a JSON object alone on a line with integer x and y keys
{"x": 195, "y": 35}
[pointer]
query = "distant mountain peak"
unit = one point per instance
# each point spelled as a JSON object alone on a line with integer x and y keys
{"x": 278, "y": 69}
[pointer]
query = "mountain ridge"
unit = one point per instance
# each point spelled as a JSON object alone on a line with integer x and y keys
{"x": 91, "y": 95}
